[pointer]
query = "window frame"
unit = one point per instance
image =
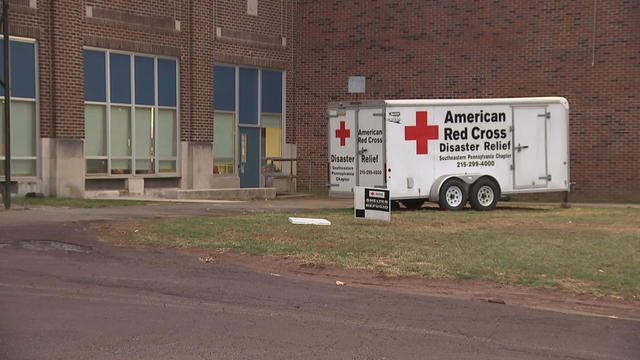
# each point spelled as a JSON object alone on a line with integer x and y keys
{"x": 235, "y": 112}
{"x": 36, "y": 100}
{"x": 235, "y": 142}
{"x": 132, "y": 106}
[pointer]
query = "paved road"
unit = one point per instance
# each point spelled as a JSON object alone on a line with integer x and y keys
{"x": 65, "y": 295}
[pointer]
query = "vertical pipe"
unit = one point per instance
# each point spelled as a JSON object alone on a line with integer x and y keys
{"x": 595, "y": 18}
{"x": 7, "y": 105}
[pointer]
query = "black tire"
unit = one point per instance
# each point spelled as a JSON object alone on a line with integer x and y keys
{"x": 453, "y": 195}
{"x": 412, "y": 204}
{"x": 484, "y": 194}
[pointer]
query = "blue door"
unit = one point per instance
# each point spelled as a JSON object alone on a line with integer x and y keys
{"x": 249, "y": 142}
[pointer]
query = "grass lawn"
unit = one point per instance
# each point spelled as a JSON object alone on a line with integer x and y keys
{"x": 582, "y": 249}
{"x": 74, "y": 203}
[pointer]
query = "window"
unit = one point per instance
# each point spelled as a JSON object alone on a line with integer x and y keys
{"x": 224, "y": 120}
{"x": 248, "y": 97}
{"x": 120, "y": 140}
{"x": 258, "y": 92}
{"x": 95, "y": 146}
{"x": 272, "y": 133}
{"x": 271, "y": 119}
{"x": 224, "y": 143}
{"x": 24, "y": 129}
{"x": 133, "y": 130}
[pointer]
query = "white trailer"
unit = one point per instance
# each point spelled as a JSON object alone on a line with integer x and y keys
{"x": 450, "y": 151}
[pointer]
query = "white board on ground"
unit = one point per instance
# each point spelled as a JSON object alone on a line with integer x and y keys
{"x": 308, "y": 221}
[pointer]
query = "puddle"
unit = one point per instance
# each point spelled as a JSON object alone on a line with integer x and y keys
{"x": 48, "y": 245}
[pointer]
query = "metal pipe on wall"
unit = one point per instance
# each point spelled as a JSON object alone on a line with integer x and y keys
{"x": 595, "y": 18}
{"x": 7, "y": 105}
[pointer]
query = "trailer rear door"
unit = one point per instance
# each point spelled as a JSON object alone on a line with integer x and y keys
{"x": 371, "y": 147}
{"x": 530, "y": 147}
{"x": 342, "y": 150}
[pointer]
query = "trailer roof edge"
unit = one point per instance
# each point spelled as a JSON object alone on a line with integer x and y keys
{"x": 492, "y": 101}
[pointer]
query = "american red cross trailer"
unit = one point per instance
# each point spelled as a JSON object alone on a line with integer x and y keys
{"x": 450, "y": 151}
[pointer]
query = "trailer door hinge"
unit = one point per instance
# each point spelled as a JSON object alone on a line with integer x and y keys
{"x": 329, "y": 116}
{"x": 378, "y": 114}
{"x": 511, "y": 167}
{"x": 548, "y": 177}
{"x": 546, "y": 115}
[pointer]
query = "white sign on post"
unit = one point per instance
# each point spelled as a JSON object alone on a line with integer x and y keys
{"x": 371, "y": 203}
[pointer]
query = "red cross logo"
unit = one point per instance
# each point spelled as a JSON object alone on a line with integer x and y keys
{"x": 421, "y": 133}
{"x": 343, "y": 133}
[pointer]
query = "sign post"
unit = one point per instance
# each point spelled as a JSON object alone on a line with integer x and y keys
{"x": 371, "y": 203}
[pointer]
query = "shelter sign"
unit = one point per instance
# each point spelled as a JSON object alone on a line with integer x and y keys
{"x": 371, "y": 203}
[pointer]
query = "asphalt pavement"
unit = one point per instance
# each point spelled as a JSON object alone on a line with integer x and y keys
{"x": 66, "y": 295}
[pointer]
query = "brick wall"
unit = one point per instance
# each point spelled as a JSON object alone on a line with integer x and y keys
{"x": 182, "y": 29}
{"x": 463, "y": 49}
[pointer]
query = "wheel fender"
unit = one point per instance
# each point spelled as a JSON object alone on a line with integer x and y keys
{"x": 434, "y": 194}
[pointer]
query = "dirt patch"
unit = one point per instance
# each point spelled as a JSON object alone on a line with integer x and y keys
{"x": 118, "y": 233}
{"x": 475, "y": 290}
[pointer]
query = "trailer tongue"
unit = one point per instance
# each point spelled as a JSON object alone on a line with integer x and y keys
{"x": 450, "y": 151}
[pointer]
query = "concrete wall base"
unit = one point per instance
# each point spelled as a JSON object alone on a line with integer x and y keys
{"x": 197, "y": 165}
{"x": 225, "y": 182}
{"x": 28, "y": 186}
{"x": 61, "y": 169}
{"x": 135, "y": 186}
{"x": 66, "y": 163}
{"x": 221, "y": 194}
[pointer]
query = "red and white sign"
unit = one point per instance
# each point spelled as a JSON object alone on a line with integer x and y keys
{"x": 343, "y": 133}
{"x": 422, "y": 132}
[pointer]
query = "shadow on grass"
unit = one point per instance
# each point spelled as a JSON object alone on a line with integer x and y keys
{"x": 524, "y": 208}
{"x": 466, "y": 209}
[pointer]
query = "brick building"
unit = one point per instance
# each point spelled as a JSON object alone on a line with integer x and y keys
{"x": 195, "y": 94}
{"x": 120, "y": 93}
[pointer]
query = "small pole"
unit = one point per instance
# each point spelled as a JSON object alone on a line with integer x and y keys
{"x": 7, "y": 105}
{"x": 565, "y": 200}
{"x": 595, "y": 19}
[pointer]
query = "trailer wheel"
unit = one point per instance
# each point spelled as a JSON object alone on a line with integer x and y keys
{"x": 413, "y": 204}
{"x": 484, "y": 194}
{"x": 453, "y": 195}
